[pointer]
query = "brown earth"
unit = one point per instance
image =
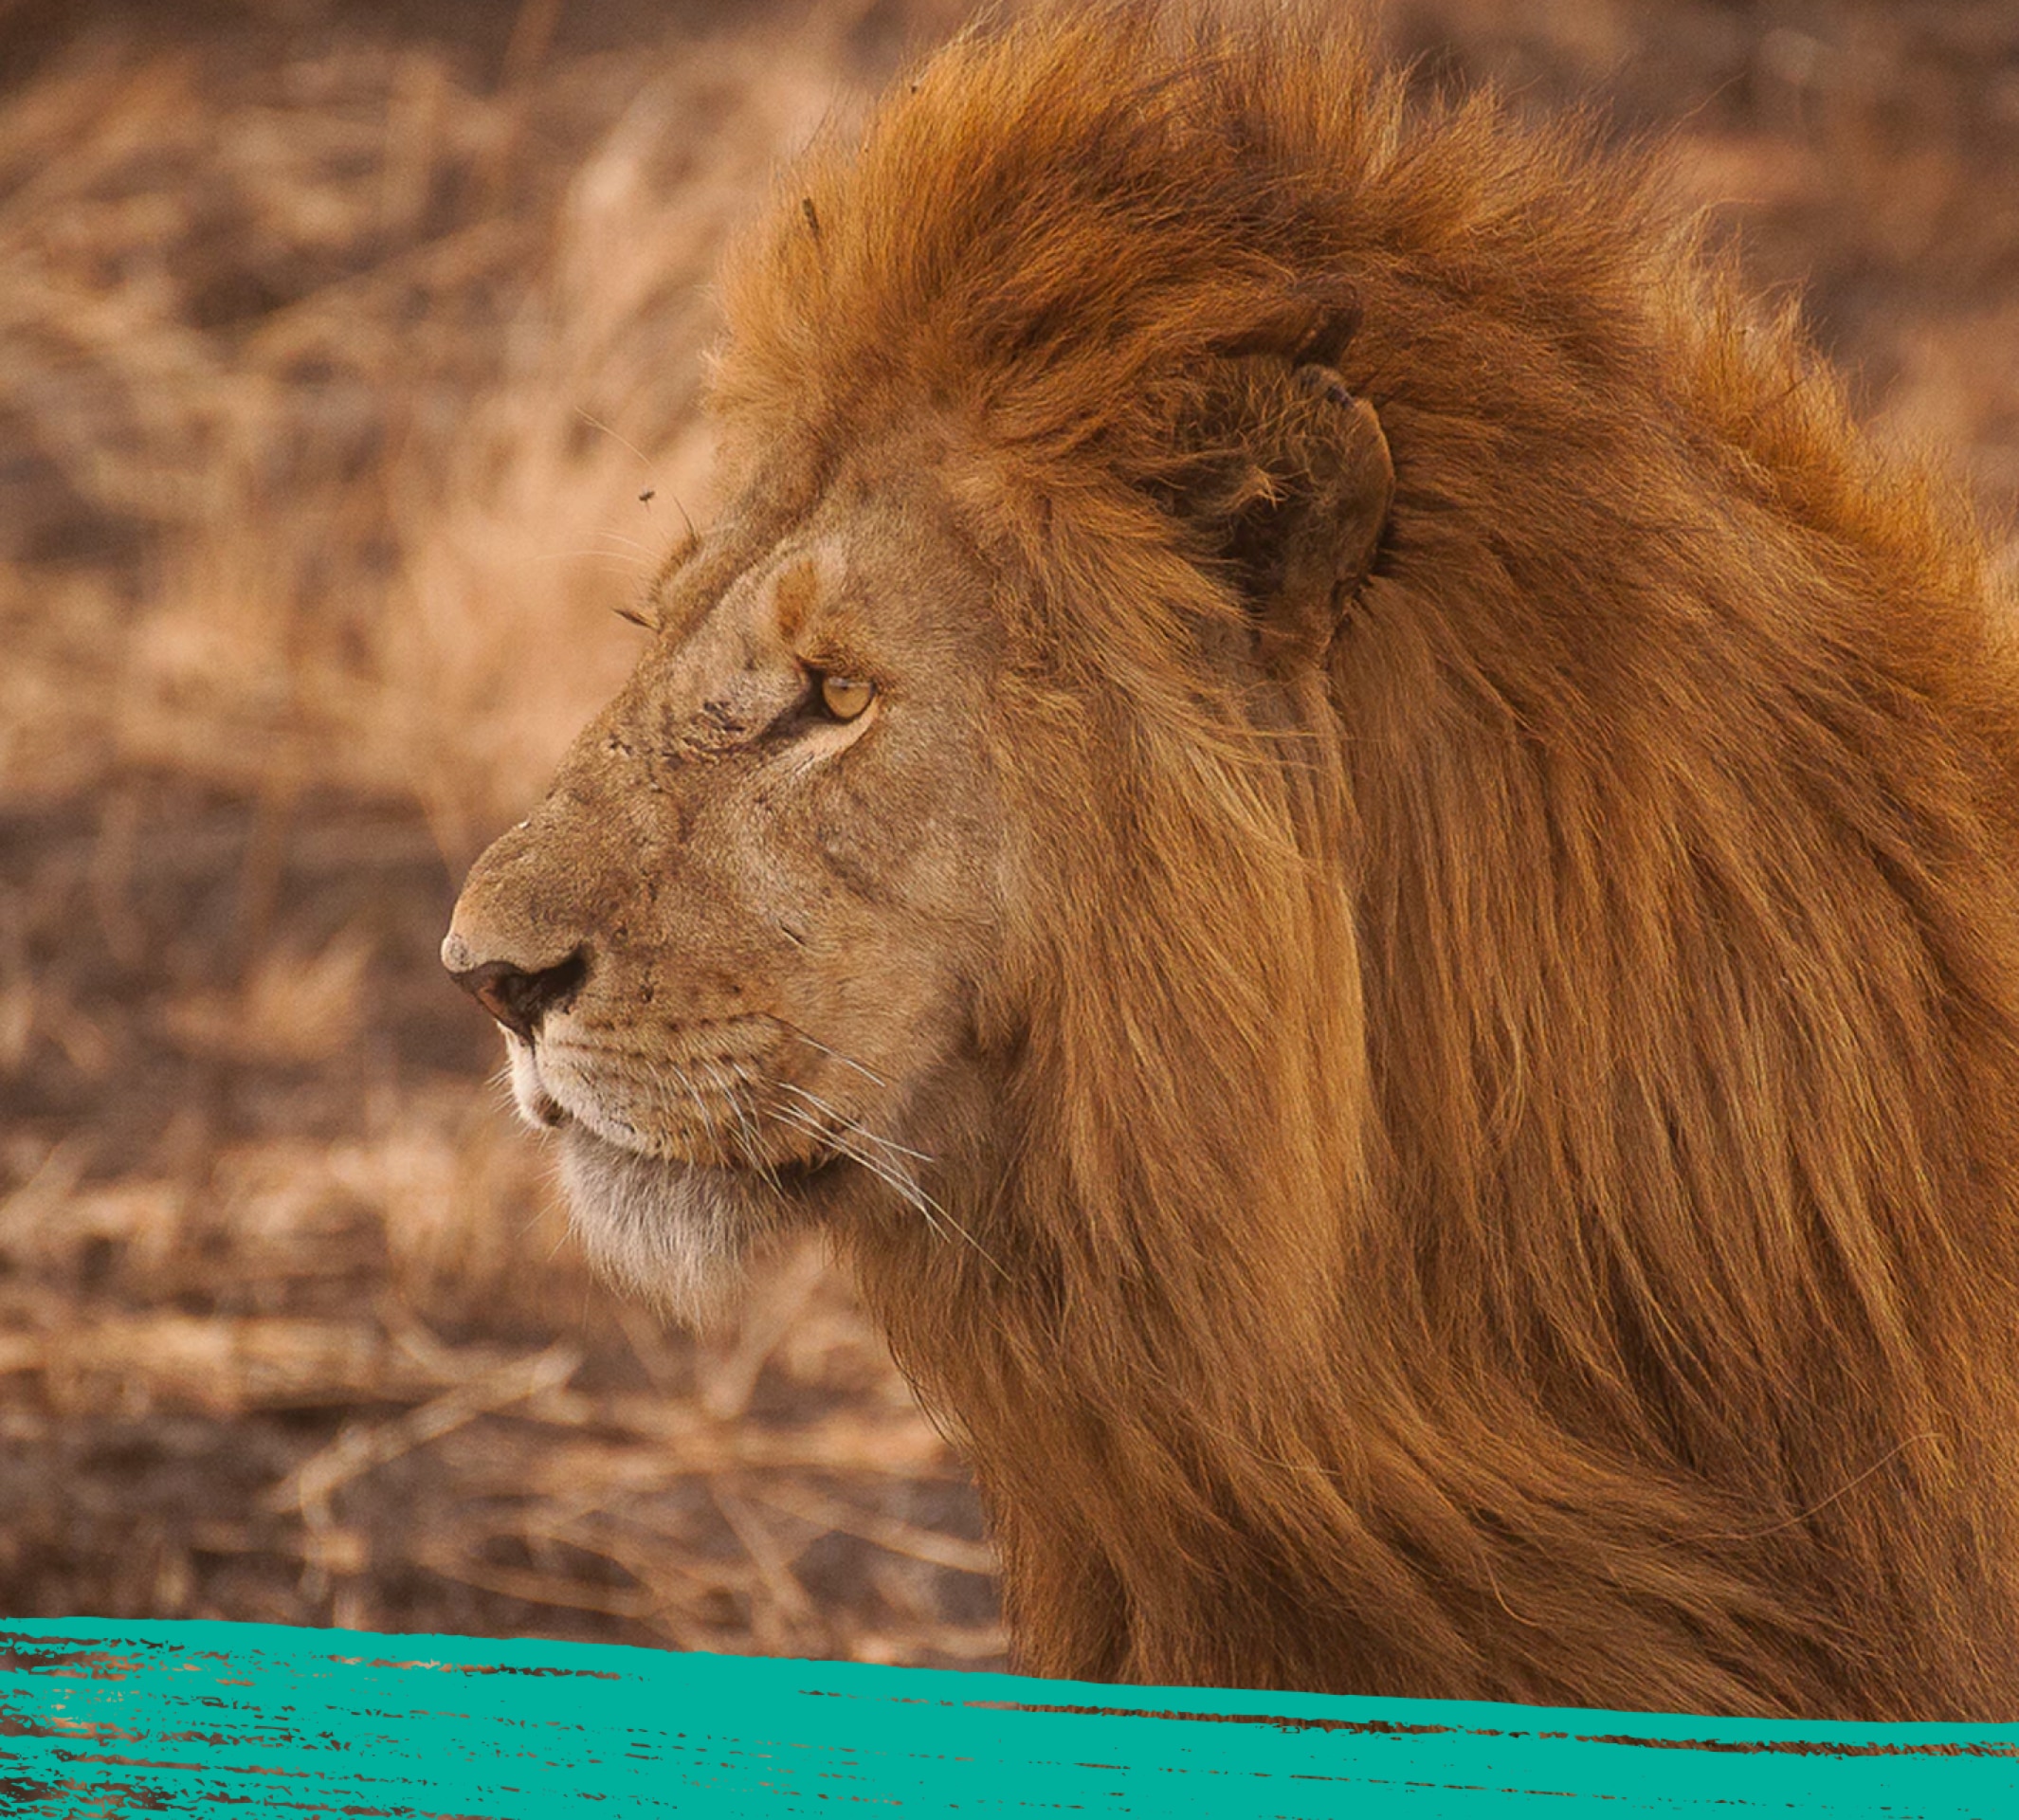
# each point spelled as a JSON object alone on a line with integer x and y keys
{"x": 348, "y": 361}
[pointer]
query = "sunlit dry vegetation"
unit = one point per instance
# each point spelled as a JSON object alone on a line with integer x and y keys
{"x": 348, "y": 361}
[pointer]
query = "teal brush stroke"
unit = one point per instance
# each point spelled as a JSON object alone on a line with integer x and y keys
{"x": 101, "y": 1717}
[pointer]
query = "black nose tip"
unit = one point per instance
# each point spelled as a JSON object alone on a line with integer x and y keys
{"x": 519, "y": 999}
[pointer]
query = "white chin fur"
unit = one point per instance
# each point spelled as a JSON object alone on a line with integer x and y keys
{"x": 678, "y": 1234}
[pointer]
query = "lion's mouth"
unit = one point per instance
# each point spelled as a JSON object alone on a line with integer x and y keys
{"x": 540, "y": 1105}
{"x": 792, "y": 1180}
{"x": 537, "y": 1106}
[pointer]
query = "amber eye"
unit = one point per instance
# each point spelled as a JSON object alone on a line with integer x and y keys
{"x": 844, "y": 697}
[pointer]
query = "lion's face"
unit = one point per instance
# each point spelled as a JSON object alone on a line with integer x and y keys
{"x": 736, "y": 952}
{"x": 775, "y": 946}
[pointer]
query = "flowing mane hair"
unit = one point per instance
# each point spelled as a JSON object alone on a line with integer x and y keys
{"x": 1503, "y": 1186}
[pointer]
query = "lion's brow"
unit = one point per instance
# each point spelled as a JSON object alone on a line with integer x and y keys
{"x": 794, "y": 595}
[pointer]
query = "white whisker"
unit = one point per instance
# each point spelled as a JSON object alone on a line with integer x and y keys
{"x": 814, "y": 1042}
{"x": 892, "y": 1174}
{"x": 728, "y": 1092}
{"x": 854, "y": 1125}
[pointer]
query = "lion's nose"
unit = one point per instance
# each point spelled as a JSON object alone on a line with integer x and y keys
{"x": 523, "y": 937}
{"x": 516, "y": 997}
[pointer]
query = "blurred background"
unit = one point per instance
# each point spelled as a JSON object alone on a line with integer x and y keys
{"x": 348, "y": 354}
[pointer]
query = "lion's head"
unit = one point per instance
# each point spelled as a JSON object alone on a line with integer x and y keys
{"x": 1317, "y": 798}
{"x": 738, "y": 952}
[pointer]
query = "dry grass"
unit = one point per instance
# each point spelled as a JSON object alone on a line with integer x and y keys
{"x": 336, "y": 350}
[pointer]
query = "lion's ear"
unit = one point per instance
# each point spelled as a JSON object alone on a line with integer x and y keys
{"x": 1288, "y": 483}
{"x": 1329, "y": 528}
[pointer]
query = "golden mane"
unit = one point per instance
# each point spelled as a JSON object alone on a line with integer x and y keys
{"x": 1512, "y": 1193}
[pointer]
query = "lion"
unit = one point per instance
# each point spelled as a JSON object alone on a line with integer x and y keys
{"x": 1319, "y": 800}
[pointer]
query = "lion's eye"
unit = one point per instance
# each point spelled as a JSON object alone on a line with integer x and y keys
{"x": 844, "y": 697}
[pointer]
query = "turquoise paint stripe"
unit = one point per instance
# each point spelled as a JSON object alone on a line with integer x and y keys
{"x": 100, "y": 1717}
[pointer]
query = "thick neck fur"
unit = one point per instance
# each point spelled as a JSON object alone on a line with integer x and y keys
{"x": 1501, "y": 1184}
{"x": 1543, "y": 1235}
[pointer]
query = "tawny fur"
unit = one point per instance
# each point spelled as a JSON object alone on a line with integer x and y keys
{"x": 1505, "y": 1187}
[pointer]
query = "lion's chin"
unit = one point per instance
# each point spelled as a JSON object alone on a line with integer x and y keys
{"x": 679, "y": 1234}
